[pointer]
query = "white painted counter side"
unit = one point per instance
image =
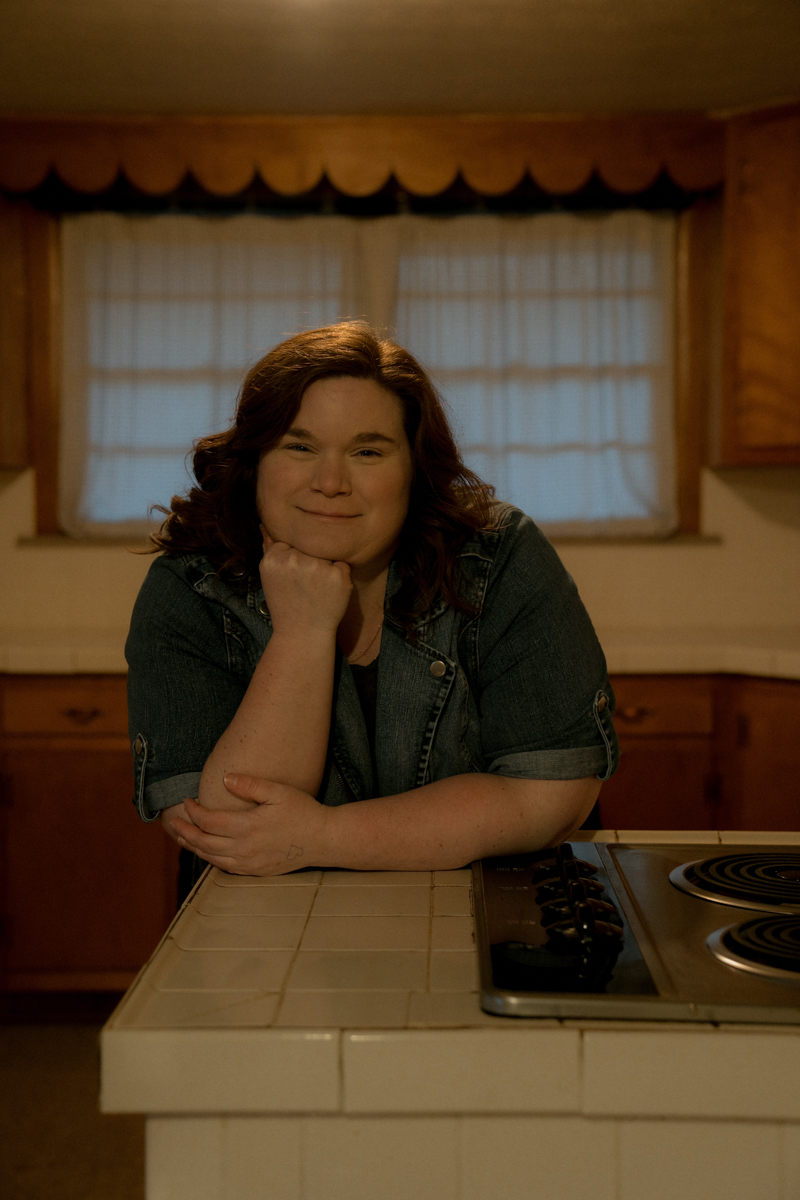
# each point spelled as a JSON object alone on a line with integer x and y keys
{"x": 318, "y": 1037}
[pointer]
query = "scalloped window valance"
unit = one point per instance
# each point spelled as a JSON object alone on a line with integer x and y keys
{"x": 358, "y": 155}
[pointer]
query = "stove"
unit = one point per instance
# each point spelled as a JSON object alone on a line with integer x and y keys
{"x": 641, "y": 932}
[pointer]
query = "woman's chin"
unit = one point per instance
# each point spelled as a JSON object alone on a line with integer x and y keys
{"x": 335, "y": 549}
{"x": 336, "y": 545}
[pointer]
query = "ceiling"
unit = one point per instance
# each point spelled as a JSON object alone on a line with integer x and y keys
{"x": 404, "y": 57}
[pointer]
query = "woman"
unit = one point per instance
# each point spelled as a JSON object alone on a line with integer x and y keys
{"x": 343, "y": 613}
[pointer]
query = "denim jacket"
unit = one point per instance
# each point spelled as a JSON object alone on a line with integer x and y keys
{"x": 518, "y": 689}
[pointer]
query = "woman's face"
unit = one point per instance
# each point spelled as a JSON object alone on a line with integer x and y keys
{"x": 337, "y": 484}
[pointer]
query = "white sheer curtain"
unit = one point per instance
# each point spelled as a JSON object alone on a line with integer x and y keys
{"x": 550, "y": 337}
{"x": 162, "y": 317}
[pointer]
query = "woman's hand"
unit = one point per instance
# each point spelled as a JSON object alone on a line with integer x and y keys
{"x": 303, "y": 592}
{"x": 282, "y": 833}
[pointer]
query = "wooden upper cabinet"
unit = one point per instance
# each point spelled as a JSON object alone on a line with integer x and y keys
{"x": 759, "y": 418}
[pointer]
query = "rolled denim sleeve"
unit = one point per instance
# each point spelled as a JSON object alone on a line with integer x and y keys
{"x": 182, "y": 690}
{"x": 545, "y": 698}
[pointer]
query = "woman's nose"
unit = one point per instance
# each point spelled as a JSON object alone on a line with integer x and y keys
{"x": 331, "y": 478}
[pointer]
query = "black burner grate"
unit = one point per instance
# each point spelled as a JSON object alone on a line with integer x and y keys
{"x": 764, "y": 881}
{"x": 768, "y": 945}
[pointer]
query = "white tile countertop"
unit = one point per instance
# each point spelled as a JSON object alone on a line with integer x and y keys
{"x": 318, "y": 1035}
{"x": 63, "y": 651}
{"x": 746, "y": 651}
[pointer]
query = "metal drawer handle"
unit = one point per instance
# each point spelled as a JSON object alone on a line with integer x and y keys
{"x": 634, "y": 713}
{"x": 82, "y": 716}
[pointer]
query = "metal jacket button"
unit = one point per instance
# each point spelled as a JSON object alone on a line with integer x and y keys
{"x": 438, "y": 669}
{"x": 262, "y": 608}
{"x": 601, "y": 704}
{"x": 138, "y": 746}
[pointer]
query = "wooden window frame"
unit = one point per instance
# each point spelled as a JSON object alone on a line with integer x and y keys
{"x": 698, "y": 349}
{"x": 423, "y": 154}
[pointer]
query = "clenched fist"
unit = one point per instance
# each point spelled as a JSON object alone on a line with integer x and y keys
{"x": 303, "y": 592}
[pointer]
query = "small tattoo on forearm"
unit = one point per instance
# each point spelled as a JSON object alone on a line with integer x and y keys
{"x": 295, "y": 852}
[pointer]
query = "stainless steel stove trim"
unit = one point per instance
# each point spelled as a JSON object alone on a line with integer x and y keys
{"x": 679, "y": 880}
{"x": 575, "y": 1005}
{"x": 724, "y": 955}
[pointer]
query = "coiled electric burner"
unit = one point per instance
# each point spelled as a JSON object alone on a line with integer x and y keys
{"x": 766, "y": 882}
{"x": 766, "y": 946}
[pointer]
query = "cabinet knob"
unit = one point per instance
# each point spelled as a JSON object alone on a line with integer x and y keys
{"x": 82, "y": 716}
{"x": 633, "y": 713}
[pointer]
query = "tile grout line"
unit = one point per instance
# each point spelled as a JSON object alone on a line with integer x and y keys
{"x": 783, "y": 1189}
{"x": 303, "y": 1146}
{"x": 617, "y": 1158}
{"x": 459, "y": 1148}
{"x": 340, "y": 1065}
{"x": 295, "y": 953}
{"x": 430, "y": 936}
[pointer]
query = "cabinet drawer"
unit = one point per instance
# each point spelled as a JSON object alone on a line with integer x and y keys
{"x": 80, "y": 704}
{"x": 668, "y": 704}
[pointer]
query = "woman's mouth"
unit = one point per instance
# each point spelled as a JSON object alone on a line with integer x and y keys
{"x": 329, "y": 516}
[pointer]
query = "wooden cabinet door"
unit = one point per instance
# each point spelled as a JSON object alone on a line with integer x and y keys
{"x": 661, "y": 783}
{"x": 759, "y": 753}
{"x": 759, "y": 419}
{"x": 88, "y": 888}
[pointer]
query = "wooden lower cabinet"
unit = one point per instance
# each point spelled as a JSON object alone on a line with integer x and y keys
{"x": 705, "y": 752}
{"x": 87, "y": 888}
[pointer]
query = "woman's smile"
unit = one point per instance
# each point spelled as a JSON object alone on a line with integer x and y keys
{"x": 326, "y": 516}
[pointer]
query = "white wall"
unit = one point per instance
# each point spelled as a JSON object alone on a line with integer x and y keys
{"x": 749, "y": 577}
{"x": 50, "y": 587}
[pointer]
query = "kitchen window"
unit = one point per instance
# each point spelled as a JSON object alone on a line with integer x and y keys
{"x": 549, "y": 335}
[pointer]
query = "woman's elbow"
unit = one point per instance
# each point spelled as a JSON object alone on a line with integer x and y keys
{"x": 582, "y": 797}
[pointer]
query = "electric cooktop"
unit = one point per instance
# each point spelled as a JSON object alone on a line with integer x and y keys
{"x": 641, "y": 932}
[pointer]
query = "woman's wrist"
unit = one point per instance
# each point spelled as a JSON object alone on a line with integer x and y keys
{"x": 303, "y": 638}
{"x": 322, "y": 836}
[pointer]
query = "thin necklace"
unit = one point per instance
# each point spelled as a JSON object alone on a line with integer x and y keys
{"x": 368, "y": 645}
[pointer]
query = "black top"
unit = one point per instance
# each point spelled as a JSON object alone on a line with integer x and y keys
{"x": 366, "y": 681}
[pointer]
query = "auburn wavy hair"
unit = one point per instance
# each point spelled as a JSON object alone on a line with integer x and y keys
{"x": 218, "y": 517}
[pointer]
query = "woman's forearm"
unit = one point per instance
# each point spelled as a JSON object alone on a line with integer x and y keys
{"x": 280, "y": 730}
{"x": 455, "y": 821}
{"x": 437, "y": 827}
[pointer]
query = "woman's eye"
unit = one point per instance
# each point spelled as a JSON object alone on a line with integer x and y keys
{"x": 367, "y": 453}
{"x": 296, "y": 446}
